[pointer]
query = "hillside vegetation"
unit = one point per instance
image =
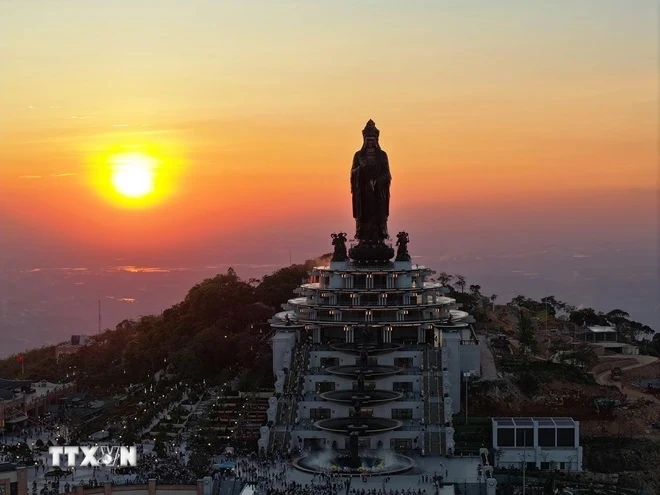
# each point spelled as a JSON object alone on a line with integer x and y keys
{"x": 220, "y": 325}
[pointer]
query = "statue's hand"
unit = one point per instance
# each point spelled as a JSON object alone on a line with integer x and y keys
{"x": 373, "y": 184}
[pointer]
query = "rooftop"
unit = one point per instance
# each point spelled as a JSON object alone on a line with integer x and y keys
{"x": 601, "y": 329}
{"x": 562, "y": 422}
{"x": 7, "y": 466}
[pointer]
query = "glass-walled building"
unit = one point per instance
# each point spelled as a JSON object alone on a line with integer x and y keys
{"x": 541, "y": 443}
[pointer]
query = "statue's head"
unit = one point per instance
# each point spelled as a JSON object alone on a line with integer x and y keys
{"x": 370, "y": 134}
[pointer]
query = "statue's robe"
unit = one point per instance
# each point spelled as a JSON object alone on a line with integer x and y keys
{"x": 371, "y": 207}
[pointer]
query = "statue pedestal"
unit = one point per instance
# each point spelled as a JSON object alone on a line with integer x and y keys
{"x": 339, "y": 265}
{"x": 403, "y": 265}
{"x": 368, "y": 253}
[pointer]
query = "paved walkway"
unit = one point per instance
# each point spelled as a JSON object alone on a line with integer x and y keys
{"x": 458, "y": 470}
{"x": 634, "y": 393}
{"x": 488, "y": 368}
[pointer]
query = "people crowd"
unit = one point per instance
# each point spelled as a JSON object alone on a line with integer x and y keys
{"x": 170, "y": 463}
{"x": 168, "y": 470}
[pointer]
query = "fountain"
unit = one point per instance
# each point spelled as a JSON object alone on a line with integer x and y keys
{"x": 357, "y": 424}
{"x": 366, "y": 397}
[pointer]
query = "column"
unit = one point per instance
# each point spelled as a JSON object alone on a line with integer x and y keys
{"x": 536, "y": 437}
{"x": 21, "y": 481}
{"x": 491, "y": 486}
{"x": 208, "y": 485}
{"x": 107, "y": 487}
{"x": 316, "y": 335}
{"x": 152, "y": 487}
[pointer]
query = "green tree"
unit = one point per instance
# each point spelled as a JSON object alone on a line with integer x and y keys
{"x": 583, "y": 357}
{"x": 445, "y": 279}
{"x": 526, "y": 335}
{"x": 588, "y": 317}
{"x": 460, "y": 281}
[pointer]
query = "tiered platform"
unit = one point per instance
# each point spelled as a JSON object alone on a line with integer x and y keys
{"x": 393, "y": 314}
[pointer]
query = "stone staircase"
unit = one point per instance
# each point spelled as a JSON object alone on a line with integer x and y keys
{"x": 286, "y": 416}
{"x": 297, "y": 384}
{"x": 433, "y": 402}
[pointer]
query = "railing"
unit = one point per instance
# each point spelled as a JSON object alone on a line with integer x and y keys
{"x": 314, "y": 397}
{"x": 393, "y": 319}
{"x": 408, "y": 425}
{"x": 405, "y": 348}
{"x": 403, "y": 372}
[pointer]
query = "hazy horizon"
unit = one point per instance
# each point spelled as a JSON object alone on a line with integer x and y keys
{"x": 522, "y": 139}
{"x": 53, "y": 298}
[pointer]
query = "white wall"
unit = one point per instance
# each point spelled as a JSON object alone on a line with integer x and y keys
{"x": 453, "y": 364}
{"x": 512, "y": 457}
{"x": 282, "y": 342}
{"x": 470, "y": 357}
{"x": 342, "y": 410}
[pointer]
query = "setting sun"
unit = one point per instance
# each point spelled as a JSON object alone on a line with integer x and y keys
{"x": 133, "y": 174}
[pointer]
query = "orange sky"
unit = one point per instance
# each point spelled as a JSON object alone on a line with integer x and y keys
{"x": 255, "y": 111}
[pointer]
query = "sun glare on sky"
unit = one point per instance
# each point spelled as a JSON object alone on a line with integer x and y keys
{"x": 133, "y": 174}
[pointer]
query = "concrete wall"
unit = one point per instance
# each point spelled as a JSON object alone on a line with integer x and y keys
{"x": 452, "y": 362}
{"x": 341, "y": 383}
{"x": 283, "y": 344}
{"x": 342, "y": 410}
{"x": 348, "y": 359}
{"x": 470, "y": 357}
{"x": 512, "y": 457}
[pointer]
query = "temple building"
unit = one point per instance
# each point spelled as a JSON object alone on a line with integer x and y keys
{"x": 370, "y": 350}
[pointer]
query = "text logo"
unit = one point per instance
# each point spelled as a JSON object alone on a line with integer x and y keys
{"x": 95, "y": 456}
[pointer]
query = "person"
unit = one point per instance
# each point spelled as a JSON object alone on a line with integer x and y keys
{"x": 370, "y": 188}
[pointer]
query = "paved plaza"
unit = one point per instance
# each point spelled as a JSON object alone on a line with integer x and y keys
{"x": 454, "y": 470}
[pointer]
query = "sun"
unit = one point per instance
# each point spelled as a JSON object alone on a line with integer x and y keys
{"x": 133, "y": 174}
